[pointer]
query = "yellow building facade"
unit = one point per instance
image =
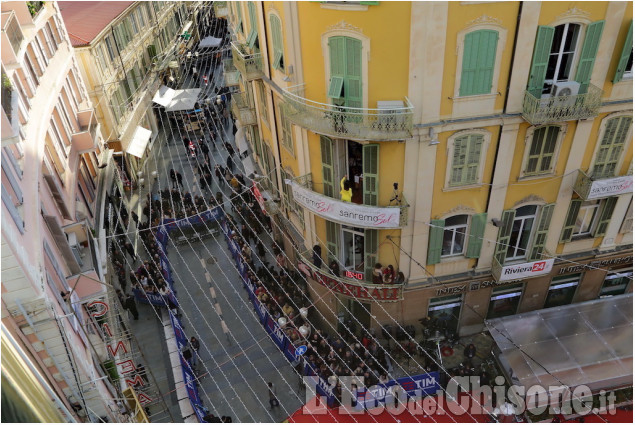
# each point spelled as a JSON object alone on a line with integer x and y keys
{"x": 488, "y": 147}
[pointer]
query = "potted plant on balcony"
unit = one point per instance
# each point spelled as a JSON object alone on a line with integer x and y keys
{"x": 7, "y": 89}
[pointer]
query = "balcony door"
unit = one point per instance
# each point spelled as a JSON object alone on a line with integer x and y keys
{"x": 345, "y": 86}
{"x": 352, "y": 251}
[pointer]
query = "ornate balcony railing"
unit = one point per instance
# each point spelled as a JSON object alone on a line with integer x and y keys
{"x": 242, "y": 111}
{"x": 250, "y": 66}
{"x": 350, "y": 123}
{"x": 589, "y": 187}
{"x": 232, "y": 77}
{"x": 349, "y": 287}
{"x": 562, "y": 108}
{"x": 220, "y": 9}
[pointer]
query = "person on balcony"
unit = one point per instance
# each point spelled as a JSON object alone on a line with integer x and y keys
{"x": 389, "y": 274}
{"x": 377, "y": 274}
{"x": 346, "y": 192}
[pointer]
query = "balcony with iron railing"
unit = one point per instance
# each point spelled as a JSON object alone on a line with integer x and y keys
{"x": 221, "y": 9}
{"x": 394, "y": 123}
{"x": 349, "y": 287}
{"x": 245, "y": 113}
{"x": 249, "y": 65}
{"x": 86, "y": 137}
{"x": 230, "y": 73}
{"x": 562, "y": 108}
{"x": 590, "y": 187}
{"x": 306, "y": 182}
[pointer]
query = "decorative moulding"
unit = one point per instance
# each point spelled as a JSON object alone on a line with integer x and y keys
{"x": 573, "y": 14}
{"x": 459, "y": 209}
{"x": 485, "y": 20}
{"x": 343, "y": 25}
{"x": 531, "y": 199}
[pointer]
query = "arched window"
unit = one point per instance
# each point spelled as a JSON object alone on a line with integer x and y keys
{"x": 542, "y": 151}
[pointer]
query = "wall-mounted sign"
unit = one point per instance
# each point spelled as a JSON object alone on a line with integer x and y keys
{"x": 525, "y": 270}
{"x": 595, "y": 264}
{"x": 354, "y": 275}
{"x": 360, "y": 291}
{"x": 346, "y": 212}
{"x": 611, "y": 187}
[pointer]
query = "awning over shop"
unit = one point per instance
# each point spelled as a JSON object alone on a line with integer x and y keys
{"x": 588, "y": 343}
{"x": 210, "y": 42}
{"x": 241, "y": 143}
{"x": 183, "y": 100}
{"x": 139, "y": 142}
{"x": 163, "y": 96}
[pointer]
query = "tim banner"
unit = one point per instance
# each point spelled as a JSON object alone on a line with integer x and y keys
{"x": 524, "y": 270}
{"x": 346, "y": 212}
{"x": 413, "y": 386}
{"x": 155, "y": 298}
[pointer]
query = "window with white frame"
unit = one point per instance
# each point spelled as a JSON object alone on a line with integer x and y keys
{"x": 454, "y": 235}
{"x": 562, "y": 54}
{"x": 521, "y": 232}
{"x": 587, "y": 216}
{"x": 609, "y": 152}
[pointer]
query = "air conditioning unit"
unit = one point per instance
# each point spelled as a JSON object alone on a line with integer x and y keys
{"x": 566, "y": 91}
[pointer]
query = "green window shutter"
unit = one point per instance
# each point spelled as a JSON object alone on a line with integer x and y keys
{"x": 335, "y": 87}
{"x": 504, "y": 234}
{"x": 540, "y": 60}
{"x": 569, "y": 224}
{"x": 253, "y": 25}
{"x": 466, "y": 159}
{"x": 477, "y": 230}
{"x": 326, "y": 147}
{"x": 371, "y": 244}
{"x": 540, "y": 235}
{"x": 332, "y": 241}
{"x": 459, "y": 159}
{"x": 369, "y": 3}
{"x": 587, "y": 57}
{"x": 627, "y": 50}
{"x": 611, "y": 147}
{"x": 479, "y": 56}
{"x": 276, "y": 30}
{"x": 370, "y": 169}
{"x": 542, "y": 149}
{"x": 353, "y": 80}
{"x": 239, "y": 24}
{"x": 606, "y": 213}
{"x": 152, "y": 51}
{"x": 473, "y": 159}
{"x": 435, "y": 241}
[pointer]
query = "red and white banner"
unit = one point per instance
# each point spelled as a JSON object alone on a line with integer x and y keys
{"x": 346, "y": 212}
{"x": 611, "y": 187}
{"x": 521, "y": 271}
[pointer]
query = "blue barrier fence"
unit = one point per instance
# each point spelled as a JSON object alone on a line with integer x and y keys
{"x": 162, "y": 238}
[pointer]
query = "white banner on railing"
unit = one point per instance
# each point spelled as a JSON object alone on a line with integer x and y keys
{"x": 611, "y": 187}
{"x": 346, "y": 212}
{"x": 521, "y": 271}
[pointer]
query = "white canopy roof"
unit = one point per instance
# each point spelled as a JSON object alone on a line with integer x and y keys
{"x": 588, "y": 343}
{"x": 210, "y": 42}
{"x": 163, "y": 96}
{"x": 183, "y": 100}
{"x": 139, "y": 142}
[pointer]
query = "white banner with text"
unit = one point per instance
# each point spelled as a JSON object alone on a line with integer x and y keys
{"x": 346, "y": 212}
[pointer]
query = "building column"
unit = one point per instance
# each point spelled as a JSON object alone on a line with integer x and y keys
{"x": 574, "y": 162}
{"x": 525, "y": 39}
{"x": 498, "y": 194}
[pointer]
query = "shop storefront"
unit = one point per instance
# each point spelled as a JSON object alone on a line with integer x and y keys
{"x": 562, "y": 290}
{"x": 616, "y": 282}
{"x": 446, "y": 310}
{"x": 505, "y": 301}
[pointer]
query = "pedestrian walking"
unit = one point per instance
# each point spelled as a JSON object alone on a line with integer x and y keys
{"x": 131, "y": 306}
{"x": 179, "y": 179}
{"x": 195, "y": 344}
{"x": 230, "y": 149}
{"x": 173, "y": 177}
{"x": 204, "y": 149}
{"x": 230, "y": 164}
{"x": 273, "y": 400}
{"x": 187, "y": 354}
{"x": 130, "y": 250}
